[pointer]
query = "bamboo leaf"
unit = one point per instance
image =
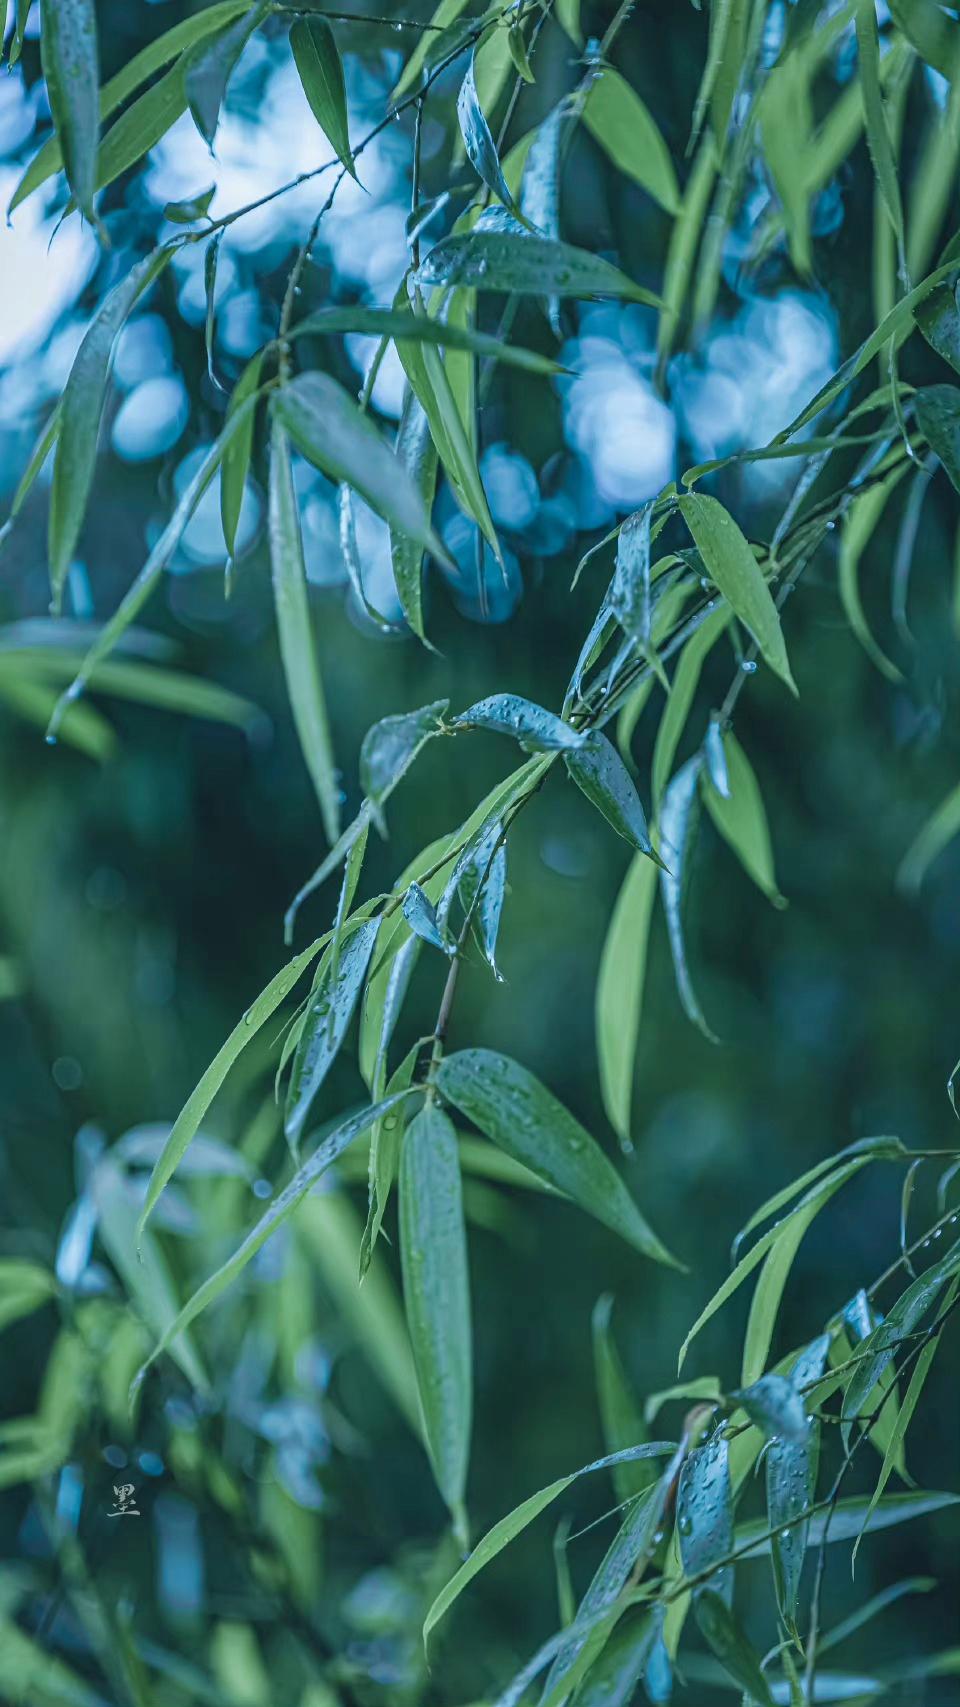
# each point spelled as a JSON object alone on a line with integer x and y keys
{"x": 725, "y": 1636}
{"x": 405, "y": 327}
{"x": 477, "y": 140}
{"x": 791, "y": 1474}
{"x": 859, "y": 525}
{"x": 847, "y": 1519}
{"x": 71, "y": 70}
{"x": 620, "y": 122}
{"x": 600, "y": 774}
{"x": 938, "y": 318}
{"x": 938, "y": 417}
{"x": 705, "y": 1514}
{"x": 328, "y": 1015}
{"x": 236, "y": 457}
{"x": 731, "y": 564}
{"x": 537, "y": 730}
{"x": 879, "y": 138}
{"x": 623, "y": 1425}
{"x": 417, "y": 454}
{"x": 524, "y": 1119}
{"x": 619, "y": 997}
{"x": 681, "y": 696}
{"x": 209, "y": 67}
{"x": 742, "y": 820}
{"x": 522, "y": 263}
{"x": 936, "y": 834}
{"x": 391, "y": 746}
{"x": 300, "y": 665}
{"x": 430, "y": 383}
{"x": 436, "y": 1293}
{"x": 318, "y": 62}
{"x": 677, "y": 828}
{"x": 446, "y": 14}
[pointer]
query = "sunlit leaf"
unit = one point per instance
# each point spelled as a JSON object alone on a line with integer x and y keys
{"x": 521, "y": 1115}
{"x": 320, "y": 67}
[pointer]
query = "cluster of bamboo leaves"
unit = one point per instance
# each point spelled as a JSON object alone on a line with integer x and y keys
{"x": 681, "y": 579}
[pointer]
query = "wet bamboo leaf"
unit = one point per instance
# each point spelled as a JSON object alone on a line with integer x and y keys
{"x": 776, "y": 1407}
{"x": 81, "y": 409}
{"x": 731, "y": 564}
{"x": 936, "y": 834}
{"x": 391, "y": 746}
{"x": 482, "y": 886}
{"x": 211, "y": 64}
{"x": 328, "y": 428}
{"x": 386, "y": 1134}
{"x": 417, "y": 455}
{"x": 741, "y": 819}
{"x": 725, "y": 1636}
{"x": 518, "y": 52}
{"x": 516, "y": 1521}
{"x": 436, "y": 1293}
{"x": 619, "y": 997}
{"x": 524, "y": 1119}
{"x": 405, "y": 327}
{"x": 705, "y": 1387}
{"x": 791, "y": 1473}
{"x": 477, "y": 140}
{"x": 876, "y": 1353}
{"x": 291, "y": 604}
{"x": 879, "y": 138}
{"x": 622, "y": 1423}
{"x": 537, "y": 730}
{"x": 279, "y": 1211}
{"x": 320, "y": 67}
{"x": 938, "y": 318}
{"x": 329, "y": 1013}
{"x": 421, "y": 916}
{"x": 677, "y": 829}
{"x": 938, "y": 417}
{"x": 615, "y": 1675}
{"x": 71, "y": 70}
{"x": 236, "y": 458}
{"x": 705, "y": 1514}
{"x": 716, "y": 758}
{"x": 630, "y": 593}
{"x": 210, "y": 292}
{"x": 540, "y": 191}
{"x": 619, "y": 121}
{"x": 600, "y": 774}
{"x": 682, "y": 693}
{"x": 429, "y": 380}
{"x": 520, "y": 262}
{"x": 847, "y": 1519}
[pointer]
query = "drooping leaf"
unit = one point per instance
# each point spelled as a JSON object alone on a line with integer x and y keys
{"x": 386, "y": 1134}
{"x": 774, "y": 1404}
{"x": 190, "y": 208}
{"x": 210, "y": 260}
{"x": 677, "y": 827}
{"x": 80, "y": 411}
{"x": 210, "y": 65}
{"x": 516, "y": 1521}
{"x": 630, "y": 592}
{"x": 622, "y": 1422}
{"x": 619, "y": 996}
{"x": 436, "y": 1293}
{"x": 938, "y": 417}
{"x": 726, "y": 1637}
{"x": 705, "y": 1513}
{"x": 421, "y": 916}
{"x": 417, "y": 455}
{"x": 600, "y": 774}
{"x": 329, "y": 429}
{"x": 615, "y": 1675}
{"x": 482, "y": 886}
{"x": 320, "y": 67}
{"x": 537, "y": 730}
{"x": 731, "y": 564}
{"x": 935, "y": 835}
{"x": 525, "y": 1120}
{"x": 518, "y": 52}
{"x": 879, "y": 138}
{"x": 141, "y": 126}
{"x": 291, "y": 604}
{"x": 328, "y": 1015}
{"x": 236, "y": 458}
{"x": 620, "y": 122}
{"x": 859, "y": 525}
{"x": 741, "y": 819}
{"x": 846, "y": 1521}
{"x": 71, "y": 71}
{"x": 876, "y": 1352}
{"x": 477, "y": 140}
{"x": 525, "y": 264}
{"x": 938, "y": 318}
{"x": 540, "y": 191}
{"x": 791, "y": 1473}
{"x": 391, "y": 746}
{"x": 681, "y": 696}
{"x": 429, "y": 380}
{"x": 403, "y": 326}
{"x": 279, "y": 1210}
{"x": 143, "y": 1267}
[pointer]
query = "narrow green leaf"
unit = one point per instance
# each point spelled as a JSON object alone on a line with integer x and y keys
{"x": 80, "y": 412}
{"x": 210, "y": 259}
{"x": 446, "y": 14}
{"x": 140, "y": 128}
{"x": 742, "y": 820}
{"x": 620, "y": 122}
{"x": 318, "y": 62}
{"x": 386, "y": 1134}
{"x": 704, "y": 1387}
{"x": 519, "y": 262}
{"x": 21, "y": 14}
{"x": 791, "y": 1475}
{"x": 731, "y": 564}
{"x": 24, "y": 1288}
{"x": 81, "y": 727}
{"x": 417, "y": 455}
{"x": 681, "y": 696}
{"x": 615, "y": 1675}
{"x": 143, "y": 1267}
{"x": 600, "y": 774}
{"x": 405, "y": 327}
{"x": 540, "y": 190}
{"x": 329, "y": 429}
{"x": 391, "y": 746}
{"x": 883, "y": 1147}
{"x": 210, "y": 65}
{"x": 879, "y": 138}
{"x": 37, "y": 458}
{"x": 190, "y": 210}
{"x": 430, "y": 382}
{"x": 421, "y": 916}
{"x": 619, "y": 997}
{"x": 518, "y": 52}
{"x": 482, "y": 888}
{"x": 300, "y": 664}
{"x": 477, "y": 140}
{"x": 236, "y": 457}
{"x": 187, "y": 1124}
{"x": 678, "y": 818}
{"x": 622, "y": 1422}
{"x": 859, "y": 525}
{"x": 936, "y": 834}
{"x": 328, "y": 1015}
{"x": 71, "y": 70}
{"x": 683, "y": 245}
{"x": 279, "y": 1210}
{"x": 436, "y": 1293}
{"x": 846, "y": 1520}
{"x": 938, "y": 318}
{"x": 537, "y": 730}
{"x": 524, "y": 1119}
{"x": 725, "y": 1636}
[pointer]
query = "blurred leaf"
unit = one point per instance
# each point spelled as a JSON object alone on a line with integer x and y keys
{"x": 142, "y": 1266}
{"x": 938, "y": 417}
{"x": 879, "y": 137}
{"x": 518, "y": 261}
{"x": 210, "y": 65}
{"x": 210, "y": 260}
{"x": 725, "y": 1636}
{"x": 602, "y": 776}
{"x": 406, "y": 327}
{"x": 141, "y": 127}
{"x": 859, "y": 525}
{"x": 518, "y": 52}
{"x": 936, "y": 834}
{"x": 188, "y": 211}
{"x": 24, "y": 1288}
{"x": 446, "y": 14}
{"x": 684, "y": 241}
{"x": 386, "y": 1134}
{"x": 681, "y": 696}
{"x": 81, "y": 408}
{"x": 847, "y": 1519}
{"x": 731, "y": 564}
{"x": 330, "y": 431}
{"x": 742, "y": 820}
{"x": 328, "y": 1015}
{"x": 436, "y": 1293}
{"x": 320, "y": 67}
{"x": 537, "y": 730}
{"x": 519, "y": 1114}
{"x": 618, "y": 120}
{"x": 297, "y": 648}
{"x": 71, "y": 71}
{"x": 236, "y": 457}
{"x": 622, "y": 1423}
{"x": 417, "y": 455}
{"x": 619, "y": 995}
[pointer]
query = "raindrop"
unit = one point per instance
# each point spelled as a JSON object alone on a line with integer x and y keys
{"x": 748, "y": 667}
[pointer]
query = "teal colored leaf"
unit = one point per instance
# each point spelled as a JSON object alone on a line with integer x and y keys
{"x": 778, "y": 1410}
{"x": 630, "y": 593}
{"x": 191, "y": 209}
{"x": 876, "y": 1353}
{"x": 713, "y": 751}
{"x": 705, "y": 1513}
{"x": 724, "y": 1634}
{"x": 522, "y": 263}
{"x": 938, "y": 318}
{"x": 615, "y": 1675}
{"x": 143, "y": 1267}
{"x": 482, "y": 888}
{"x": 524, "y": 1119}
{"x": 791, "y": 1473}
{"x": 236, "y": 457}
{"x": 329, "y": 1013}
{"x": 741, "y": 818}
{"x": 731, "y": 565}
{"x": 391, "y": 746}
{"x": 446, "y": 14}
{"x": 436, "y": 1294}
{"x": 386, "y": 1134}
{"x": 619, "y": 121}
{"x": 938, "y": 417}
{"x": 477, "y": 140}
{"x": 35, "y": 463}
{"x": 209, "y": 67}
{"x": 859, "y": 525}
{"x": 417, "y": 455}
{"x": 210, "y": 260}
{"x": 318, "y": 62}
{"x": 622, "y": 1422}
{"x": 619, "y": 997}
{"x": 71, "y": 71}
{"x": 430, "y": 382}
{"x": 846, "y": 1521}
{"x": 405, "y": 327}
{"x": 421, "y": 916}
{"x": 600, "y": 774}
{"x": 540, "y": 190}
{"x": 537, "y": 730}
{"x": 678, "y": 819}
{"x": 328, "y": 428}
{"x": 297, "y": 649}
{"x": 80, "y": 412}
